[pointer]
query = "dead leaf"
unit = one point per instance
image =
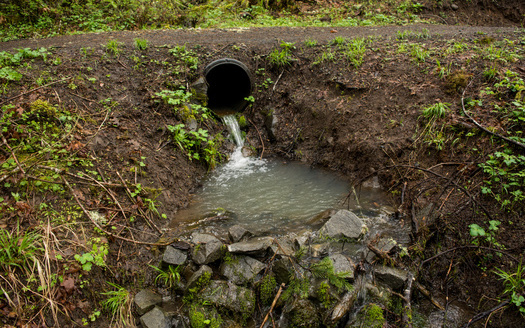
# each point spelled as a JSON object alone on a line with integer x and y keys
{"x": 68, "y": 284}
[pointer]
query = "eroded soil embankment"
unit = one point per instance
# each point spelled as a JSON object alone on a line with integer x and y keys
{"x": 322, "y": 107}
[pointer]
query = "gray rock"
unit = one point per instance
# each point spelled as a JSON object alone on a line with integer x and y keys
{"x": 241, "y": 270}
{"x": 343, "y": 224}
{"x": 230, "y": 296}
{"x": 145, "y": 300}
{"x": 321, "y": 218}
{"x": 342, "y": 265}
{"x": 192, "y": 281}
{"x": 270, "y": 123}
{"x": 254, "y": 246}
{"x": 282, "y": 268}
{"x": 319, "y": 250}
{"x": 391, "y": 277}
{"x": 303, "y": 239}
{"x": 283, "y": 246}
{"x": 343, "y": 306}
{"x": 384, "y": 245}
{"x": 155, "y": 319}
{"x": 454, "y": 6}
{"x": 173, "y": 256}
{"x": 238, "y": 233}
{"x": 208, "y": 248}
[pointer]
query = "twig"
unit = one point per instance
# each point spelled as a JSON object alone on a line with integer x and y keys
{"x": 482, "y": 315}
{"x": 468, "y": 246}
{"x": 273, "y": 89}
{"x": 273, "y": 304}
{"x": 33, "y": 90}
{"x": 260, "y": 137}
{"x": 79, "y": 96}
{"x": 122, "y": 64}
{"x": 514, "y": 142}
{"x": 105, "y": 231}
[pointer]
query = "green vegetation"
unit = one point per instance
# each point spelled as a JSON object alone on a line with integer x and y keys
{"x": 283, "y": 57}
{"x": 119, "y": 304}
{"x": 514, "y": 283}
{"x": 169, "y": 277}
{"x": 33, "y": 18}
{"x": 96, "y": 256}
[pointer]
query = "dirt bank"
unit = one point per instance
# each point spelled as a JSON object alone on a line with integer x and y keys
{"x": 353, "y": 108}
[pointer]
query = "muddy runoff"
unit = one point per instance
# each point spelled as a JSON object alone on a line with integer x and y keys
{"x": 294, "y": 244}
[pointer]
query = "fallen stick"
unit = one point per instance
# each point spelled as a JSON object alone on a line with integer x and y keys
{"x": 33, "y": 90}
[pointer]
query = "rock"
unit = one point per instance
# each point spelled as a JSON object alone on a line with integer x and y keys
{"x": 319, "y": 250}
{"x": 238, "y": 233}
{"x": 454, "y": 6}
{"x": 155, "y": 319}
{"x": 145, "y": 300}
{"x": 321, "y": 218}
{"x": 282, "y": 268}
{"x": 343, "y": 225}
{"x": 384, "y": 245}
{"x": 173, "y": 256}
{"x": 241, "y": 270}
{"x": 344, "y": 305}
{"x": 230, "y": 296}
{"x": 270, "y": 122}
{"x": 342, "y": 265}
{"x": 303, "y": 239}
{"x": 283, "y": 246}
{"x": 452, "y": 317}
{"x": 208, "y": 248}
{"x": 425, "y": 218}
{"x": 194, "y": 279}
{"x": 254, "y": 246}
{"x": 301, "y": 313}
{"x": 391, "y": 277}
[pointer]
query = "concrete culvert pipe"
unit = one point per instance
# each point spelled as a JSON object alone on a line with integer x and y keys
{"x": 229, "y": 83}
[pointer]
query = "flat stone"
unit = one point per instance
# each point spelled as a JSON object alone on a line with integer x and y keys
{"x": 192, "y": 281}
{"x": 242, "y": 269}
{"x": 173, "y": 256}
{"x": 208, "y": 248}
{"x": 254, "y": 246}
{"x": 230, "y": 296}
{"x": 155, "y": 319}
{"x": 238, "y": 233}
{"x": 343, "y": 225}
{"x": 302, "y": 240}
{"x": 319, "y": 250}
{"x": 342, "y": 265}
{"x": 391, "y": 277}
{"x": 145, "y": 300}
{"x": 283, "y": 246}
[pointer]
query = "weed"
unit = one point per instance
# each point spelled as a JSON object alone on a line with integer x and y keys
{"x": 436, "y": 111}
{"x": 283, "y": 57}
{"x": 479, "y": 234}
{"x": 119, "y": 304}
{"x": 170, "y": 277}
{"x": 419, "y": 53}
{"x": 113, "y": 47}
{"x": 186, "y": 57}
{"x": 141, "y": 44}
{"x": 310, "y": 43}
{"x": 355, "y": 51}
{"x": 514, "y": 283}
{"x": 96, "y": 256}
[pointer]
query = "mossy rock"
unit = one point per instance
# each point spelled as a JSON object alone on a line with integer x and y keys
{"x": 370, "y": 316}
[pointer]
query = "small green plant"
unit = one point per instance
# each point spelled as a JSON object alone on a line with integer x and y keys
{"x": 113, "y": 47}
{"x": 141, "y": 44}
{"x": 479, "y": 234}
{"x": 310, "y": 43}
{"x": 514, "y": 283}
{"x": 283, "y": 57}
{"x": 170, "y": 277}
{"x": 436, "y": 111}
{"x": 119, "y": 304}
{"x": 96, "y": 256}
{"x": 267, "y": 289}
{"x": 186, "y": 57}
{"x": 419, "y": 53}
{"x": 355, "y": 51}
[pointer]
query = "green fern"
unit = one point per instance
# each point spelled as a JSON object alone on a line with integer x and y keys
{"x": 324, "y": 269}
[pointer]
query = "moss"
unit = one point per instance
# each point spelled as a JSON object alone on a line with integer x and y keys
{"x": 204, "y": 317}
{"x": 43, "y": 109}
{"x": 267, "y": 289}
{"x": 370, "y": 316}
{"x": 323, "y": 294}
{"x": 457, "y": 82}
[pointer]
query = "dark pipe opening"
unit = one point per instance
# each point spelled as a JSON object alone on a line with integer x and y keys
{"x": 229, "y": 82}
